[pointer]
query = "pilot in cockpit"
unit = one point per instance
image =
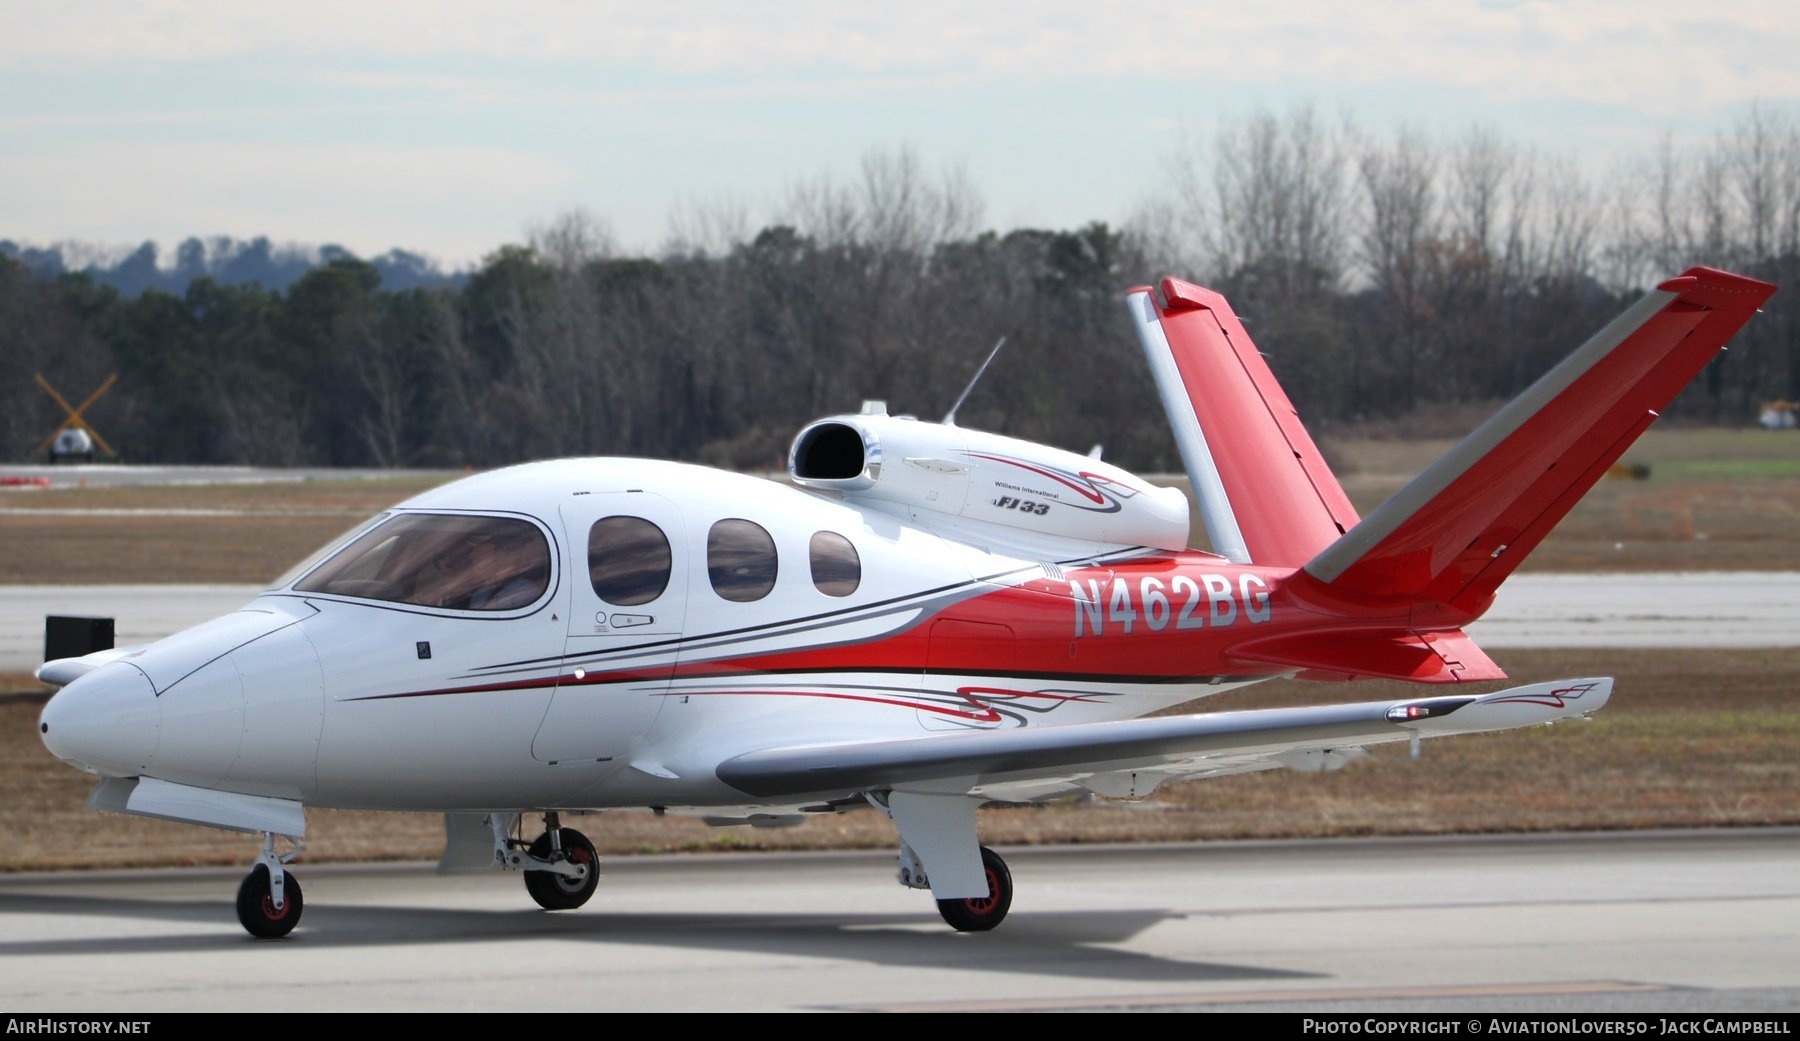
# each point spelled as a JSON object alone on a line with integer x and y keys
{"x": 480, "y": 572}
{"x": 503, "y": 575}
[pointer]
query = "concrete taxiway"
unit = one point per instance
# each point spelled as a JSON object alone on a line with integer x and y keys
{"x": 107, "y": 475}
{"x": 1631, "y": 922}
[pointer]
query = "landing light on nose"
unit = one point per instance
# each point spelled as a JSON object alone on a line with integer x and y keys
{"x": 105, "y": 722}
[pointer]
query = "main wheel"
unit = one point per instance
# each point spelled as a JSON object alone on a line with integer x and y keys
{"x": 555, "y": 892}
{"x": 979, "y": 914}
{"x": 256, "y": 904}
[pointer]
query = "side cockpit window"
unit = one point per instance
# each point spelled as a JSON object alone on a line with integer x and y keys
{"x": 457, "y": 562}
{"x": 629, "y": 560}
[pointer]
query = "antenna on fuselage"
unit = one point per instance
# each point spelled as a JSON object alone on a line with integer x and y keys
{"x": 950, "y": 417}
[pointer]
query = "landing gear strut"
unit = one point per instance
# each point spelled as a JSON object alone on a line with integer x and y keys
{"x": 269, "y": 901}
{"x": 979, "y": 914}
{"x": 574, "y": 867}
{"x": 939, "y": 829}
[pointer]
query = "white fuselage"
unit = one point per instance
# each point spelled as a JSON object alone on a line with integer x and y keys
{"x": 569, "y": 700}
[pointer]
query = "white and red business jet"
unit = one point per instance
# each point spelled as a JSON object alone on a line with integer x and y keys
{"x": 935, "y": 618}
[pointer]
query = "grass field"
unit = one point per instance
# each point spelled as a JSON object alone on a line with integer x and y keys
{"x": 1692, "y": 738}
{"x": 1713, "y": 500}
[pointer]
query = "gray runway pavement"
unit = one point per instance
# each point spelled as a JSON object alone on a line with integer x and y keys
{"x": 1701, "y": 609}
{"x": 140, "y": 614}
{"x": 1657, "y": 922}
{"x": 1674, "y": 609}
{"x": 100, "y": 475}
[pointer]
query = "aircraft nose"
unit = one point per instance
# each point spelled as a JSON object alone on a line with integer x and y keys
{"x": 105, "y": 722}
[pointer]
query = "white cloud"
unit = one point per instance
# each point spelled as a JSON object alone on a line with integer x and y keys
{"x": 1660, "y": 56}
{"x": 1058, "y": 107}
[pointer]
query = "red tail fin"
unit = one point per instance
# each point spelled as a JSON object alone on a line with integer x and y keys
{"x": 1264, "y": 491}
{"x": 1453, "y": 534}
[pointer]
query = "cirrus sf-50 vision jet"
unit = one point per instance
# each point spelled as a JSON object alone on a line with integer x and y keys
{"x": 923, "y": 619}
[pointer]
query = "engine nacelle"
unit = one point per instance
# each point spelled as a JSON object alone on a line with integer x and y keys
{"x": 901, "y": 464}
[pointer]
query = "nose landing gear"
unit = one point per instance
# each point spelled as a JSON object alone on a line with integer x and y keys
{"x": 269, "y": 901}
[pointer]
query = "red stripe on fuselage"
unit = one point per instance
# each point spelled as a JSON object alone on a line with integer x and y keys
{"x": 1164, "y": 618}
{"x": 987, "y": 714}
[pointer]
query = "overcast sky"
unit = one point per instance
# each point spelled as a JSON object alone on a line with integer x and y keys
{"x": 448, "y": 127}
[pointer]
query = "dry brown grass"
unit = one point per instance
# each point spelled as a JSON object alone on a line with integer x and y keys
{"x": 1714, "y": 500}
{"x": 165, "y": 533}
{"x": 1691, "y": 739}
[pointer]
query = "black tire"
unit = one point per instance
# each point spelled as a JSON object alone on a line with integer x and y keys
{"x": 979, "y": 914}
{"x": 555, "y": 892}
{"x": 256, "y": 904}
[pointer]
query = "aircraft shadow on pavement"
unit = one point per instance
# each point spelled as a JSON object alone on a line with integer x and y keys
{"x": 1068, "y": 943}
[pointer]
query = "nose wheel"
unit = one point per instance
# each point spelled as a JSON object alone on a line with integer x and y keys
{"x": 256, "y": 905}
{"x": 979, "y": 914}
{"x": 269, "y": 901}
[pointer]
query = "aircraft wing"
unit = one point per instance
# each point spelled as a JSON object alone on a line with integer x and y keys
{"x": 1130, "y": 757}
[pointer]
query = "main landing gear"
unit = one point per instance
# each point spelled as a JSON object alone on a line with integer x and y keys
{"x": 979, "y": 914}
{"x": 938, "y": 829}
{"x": 269, "y": 901}
{"x": 974, "y": 914}
{"x": 561, "y": 867}
{"x": 571, "y": 870}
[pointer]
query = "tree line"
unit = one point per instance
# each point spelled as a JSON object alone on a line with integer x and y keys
{"x": 221, "y": 258}
{"x": 1383, "y": 275}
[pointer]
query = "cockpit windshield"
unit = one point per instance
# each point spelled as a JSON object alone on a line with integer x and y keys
{"x": 458, "y": 562}
{"x": 329, "y": 548}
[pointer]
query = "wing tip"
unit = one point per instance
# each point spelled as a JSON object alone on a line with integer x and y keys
{"x": 1713, "y": 286}
{"x": 1179, "y": 295}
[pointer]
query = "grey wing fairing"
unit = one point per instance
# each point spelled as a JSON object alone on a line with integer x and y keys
{"x": 1104, "y": 757}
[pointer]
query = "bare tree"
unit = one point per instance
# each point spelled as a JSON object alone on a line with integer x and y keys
{"x": 1399, "y": 246}
{"x": 1570, "y": 223}
{"x": 1484, "y": 209}
{"x": 1267, "y": 200}
{"x": 712, "y": 229}
{"x": 571, "y": 240}
{"x": 1754, "y": 149}
{"x": 893, "y": 206}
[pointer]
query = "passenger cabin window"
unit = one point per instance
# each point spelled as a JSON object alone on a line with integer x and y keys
{"x": 458, "y": 562}
{"x": 836, "y": 569}
{"x": 628, "y": 560}
{"x": 740, "y": 560}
